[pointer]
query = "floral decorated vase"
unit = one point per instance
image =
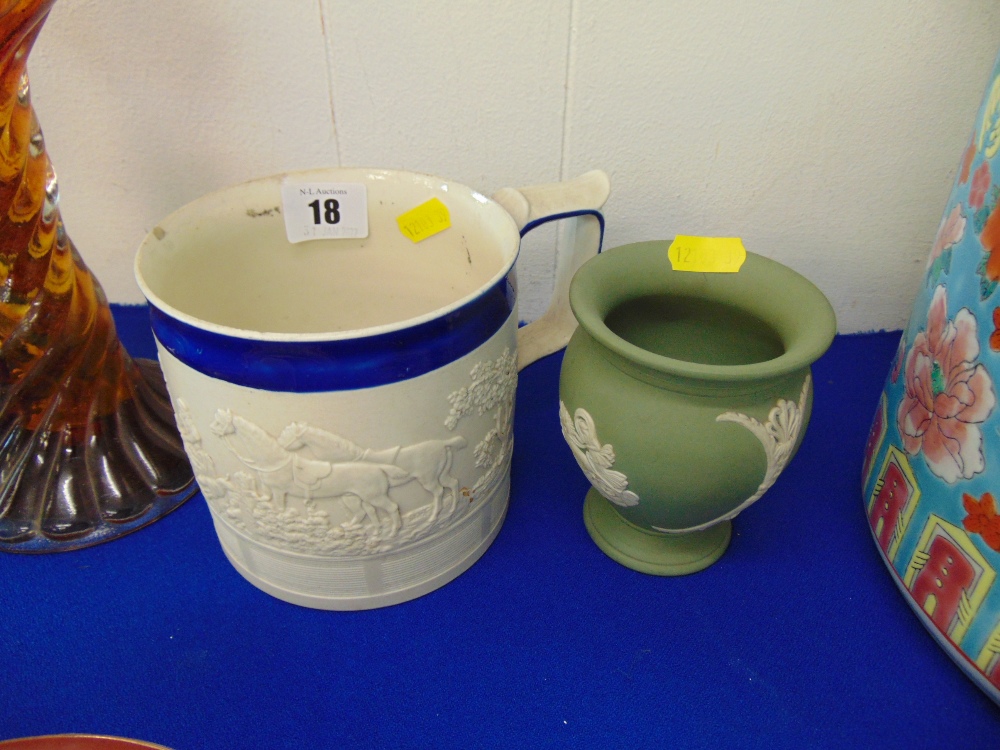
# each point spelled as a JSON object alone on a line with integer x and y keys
{"x": 683, "y": 396}
{"x": 932, "y": 463}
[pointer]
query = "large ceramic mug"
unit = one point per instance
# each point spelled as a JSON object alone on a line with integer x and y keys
{"x": 347, "y": 404}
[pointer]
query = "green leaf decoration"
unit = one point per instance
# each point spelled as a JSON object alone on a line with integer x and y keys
{"x": 979, "y": 219}
{"x": 986, "y": 287}
{"x": 940, "y": 266}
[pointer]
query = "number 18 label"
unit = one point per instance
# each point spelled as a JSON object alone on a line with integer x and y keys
{"x": 321, "y": 210}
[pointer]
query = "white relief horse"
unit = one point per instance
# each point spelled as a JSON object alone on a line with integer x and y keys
{"x": 363, "y": 487}
{"x": 428, "y": 463}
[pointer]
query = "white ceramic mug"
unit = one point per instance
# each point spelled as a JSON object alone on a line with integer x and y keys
{"x": 347, "y": 404}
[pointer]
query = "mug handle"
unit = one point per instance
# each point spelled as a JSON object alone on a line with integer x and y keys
{"x": 580, "y": 200}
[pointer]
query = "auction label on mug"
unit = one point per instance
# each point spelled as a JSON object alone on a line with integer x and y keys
{"x": 323, "y": 210}
{"x": 707, "y": 254}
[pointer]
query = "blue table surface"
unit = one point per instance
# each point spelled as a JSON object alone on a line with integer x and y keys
{"x": 797, "y": 637}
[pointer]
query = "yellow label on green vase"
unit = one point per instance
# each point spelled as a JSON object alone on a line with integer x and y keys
{"x": 707, "y": 254}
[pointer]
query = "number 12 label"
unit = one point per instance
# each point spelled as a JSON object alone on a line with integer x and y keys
{"x": 321, "y": 210}
{"x": 706, "y": 254}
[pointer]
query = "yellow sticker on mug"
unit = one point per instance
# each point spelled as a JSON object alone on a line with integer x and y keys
{"x": 425, "y": 220}
{"x": 707, "y": 254}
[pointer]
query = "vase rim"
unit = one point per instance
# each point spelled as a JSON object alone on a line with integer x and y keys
{"x": 791, "y": 305}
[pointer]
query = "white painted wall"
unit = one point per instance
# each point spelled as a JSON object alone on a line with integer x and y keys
{"x": 826, "y": 134}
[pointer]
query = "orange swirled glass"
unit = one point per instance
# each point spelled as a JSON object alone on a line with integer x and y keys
{"x": 88, "y": 445}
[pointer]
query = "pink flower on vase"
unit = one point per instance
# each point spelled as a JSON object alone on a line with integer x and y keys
{"x": 947, "y": 394}
{"x": 980, "y": 185}
{"x": 949, "y": 234}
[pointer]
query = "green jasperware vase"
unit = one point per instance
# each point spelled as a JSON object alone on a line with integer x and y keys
{"x": 683, "y": 396}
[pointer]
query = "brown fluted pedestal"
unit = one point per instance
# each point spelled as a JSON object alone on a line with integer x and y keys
{"x": 88, "y": 445}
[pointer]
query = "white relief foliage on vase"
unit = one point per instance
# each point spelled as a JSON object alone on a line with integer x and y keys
{"x": 779, "y": 437}
{"x": 595, "y": 459}
{"x": 493, "y": 386}
{"x": 493, "y": 382}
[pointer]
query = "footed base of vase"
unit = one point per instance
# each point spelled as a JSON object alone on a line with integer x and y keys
{"x": 649, "y": 551}
{"x": 67, "y": 486}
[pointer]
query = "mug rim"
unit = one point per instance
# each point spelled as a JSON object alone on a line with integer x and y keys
{"x": 340, "y": 173}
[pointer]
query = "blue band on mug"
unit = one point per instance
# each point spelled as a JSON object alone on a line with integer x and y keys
{"x": 340, "y": 365}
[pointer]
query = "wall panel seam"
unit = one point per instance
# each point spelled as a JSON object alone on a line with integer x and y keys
{"x": 568, "y": 87}
{"x": 330, "y": 86}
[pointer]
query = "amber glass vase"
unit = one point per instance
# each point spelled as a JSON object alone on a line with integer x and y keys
{"x": 88, "y": 446}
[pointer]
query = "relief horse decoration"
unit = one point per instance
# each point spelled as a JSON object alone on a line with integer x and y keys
{"x": 363, "y": 487}
{"x": 428, "y": 463}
